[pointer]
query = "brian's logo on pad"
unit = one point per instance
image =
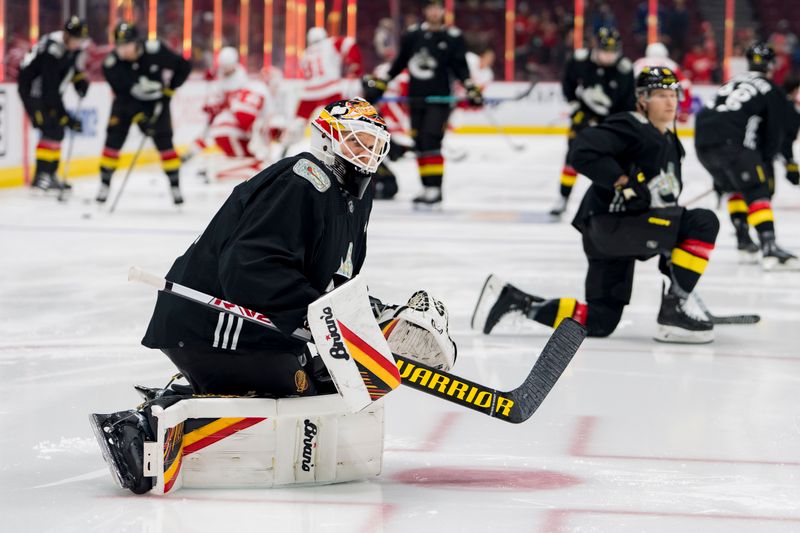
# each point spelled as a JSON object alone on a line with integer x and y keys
{"x": 309, "y": 435}
{"x": 337, "y": 351}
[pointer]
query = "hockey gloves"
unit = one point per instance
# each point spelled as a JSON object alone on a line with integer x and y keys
{"x": 595, "y": 99}
{"x": 636, "y": 194}
{"x": 72, "y": 122}
{"x": 373, "y": 88}
{"x": 474, "y": 95}
{"x": 792, "y": 173}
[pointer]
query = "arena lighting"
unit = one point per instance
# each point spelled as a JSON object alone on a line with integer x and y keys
{"x": 268, "y": 33}
{"x": 335, "y": 19}
{"x": 509, "y": 54}
{"x": 152, "y": 20}
{"x": 577, "y": 32}
{"x": 128, "y": 10}
{"x": 33, "y": 31}
{"x": 244, "y": 31}
{"x": 290, "y": 62}
{"x": 187, "y": 29}
{"x": 652, "y": 21}
{"x": 319, "y": 13}
{"x": 352, "y": 10}
{"x": 217, "y": 38}
{"x": 730, "y": 9}
{"x": 2, "y": 40}
{"x": 302, "y": 16}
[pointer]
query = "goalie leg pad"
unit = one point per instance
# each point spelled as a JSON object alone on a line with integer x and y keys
{"x": 262, "y": 443}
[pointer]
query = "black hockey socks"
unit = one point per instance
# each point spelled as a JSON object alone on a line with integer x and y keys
{"x": 170, "y": 162}
{"x": 552, "y": 312}
{"x": 109, "y": 162}
{"x": 568, "y": 178}
{"x": 431, "y": 168}
{"x": 689, "y": 261}
{"x": 48, "y": 153}
{"x": 760, "y": 216}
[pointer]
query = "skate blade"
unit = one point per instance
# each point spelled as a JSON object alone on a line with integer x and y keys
{"x": 771, "y": 264}
{"x": 102, "y": 439}
{"x": 424, "y": 207}
{"x": 489, "y": 294}
{"x": 749, "y": 258}
{"x": 672, "y": 334}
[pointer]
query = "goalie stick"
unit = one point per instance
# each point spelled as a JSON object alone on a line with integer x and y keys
{"x": 515, "y": 406}
{"x": 725, "y": 319}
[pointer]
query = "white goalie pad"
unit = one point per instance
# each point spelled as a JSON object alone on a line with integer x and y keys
{"x": 419, "y": 330}
{"x": 352, "y": 345}
{"x": 263, "y": 443}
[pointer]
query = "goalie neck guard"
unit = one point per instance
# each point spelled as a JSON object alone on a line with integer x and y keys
{"x": 351, "y": 138}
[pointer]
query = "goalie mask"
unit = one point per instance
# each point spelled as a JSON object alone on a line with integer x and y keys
{"x": 351, "y": 139}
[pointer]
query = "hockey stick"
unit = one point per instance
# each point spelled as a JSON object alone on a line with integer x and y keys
{"x": 157, "y": 113}
{"x": 697, "y": 198}
{"x": 515, "y": 406}
{"x": 726, "y": 319}
{"x": 62, "y": 188}
{"x": 493, "y": 121}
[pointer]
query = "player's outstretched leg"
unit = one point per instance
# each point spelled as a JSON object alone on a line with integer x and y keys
{"x": 121, "y": 437}
{"x": 748, "y": 249}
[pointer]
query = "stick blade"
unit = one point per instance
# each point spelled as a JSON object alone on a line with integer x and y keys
{"x": 735, "y": 319}
{"x": 555, "y": 356}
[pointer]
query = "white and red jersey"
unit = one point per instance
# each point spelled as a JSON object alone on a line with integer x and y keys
{"x": 223, "y": 89}
{"x": 395, "y": 113}
{"x": 325, "y": 63}
{"x": 481, "y": 76}
{"x": 685, "y": 104}
{"x": 244, "y": 107}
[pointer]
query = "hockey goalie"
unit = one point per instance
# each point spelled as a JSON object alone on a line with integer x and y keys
{"x": 262, "y": 407}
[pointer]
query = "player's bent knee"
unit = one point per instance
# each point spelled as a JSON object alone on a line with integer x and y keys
{"x": 602, "y": 318}
{"x": 258, "y": 442}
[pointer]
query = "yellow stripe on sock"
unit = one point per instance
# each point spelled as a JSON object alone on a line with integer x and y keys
{"x": 566, "y": 307}
{"x": 44, "y": 154}
{"x": 568, "y": 181}
{"x": 688, "y": 261}
{"x": 760, "y": 216}
{"x": 171, "y": 164}
{"x": 109, "y": 162}
{"x": 431, "y": 170}
{"x": 737, "y": 206}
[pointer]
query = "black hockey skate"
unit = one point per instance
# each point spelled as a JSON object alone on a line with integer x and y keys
{"x": 430, "y": 198}
{"x": 748, "y": 250}
{"x": 177, "y": 197}
{"x": 102, "y": 194}
{"x": 497, "y": 299}
{"x": 44, "y": 182}
{"x": 677, "y": 324}
{"x": 121, "y": 437}
{"x": 776, "y": 258}
{"x": 559, "y": 207}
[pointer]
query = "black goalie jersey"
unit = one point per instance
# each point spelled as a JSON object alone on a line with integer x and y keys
{"x": 281, "y": 240}
{"x": 433, "y": 58}
{"x": 747, "y": 111}
{"x": 626, "y": 144}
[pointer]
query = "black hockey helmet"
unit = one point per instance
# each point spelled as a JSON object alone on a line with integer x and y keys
{"x": 760, "y": 56}
{"x": 608, "y": 40}
{"x": 125, "y": 32}
{"x": 657, "y": 78}
{"x": 76, "y": 27}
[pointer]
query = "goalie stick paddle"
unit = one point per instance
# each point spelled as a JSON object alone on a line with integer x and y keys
{"x": 515, "y": 406}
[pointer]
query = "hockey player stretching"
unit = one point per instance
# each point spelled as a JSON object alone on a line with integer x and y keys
{"x": 282, "y": 239}
{"x": 434, "y": 55}
{"x": 737, "y": 136}
{"x": 135, "y": 70}
{"x": 596, "y": 84}
{"x": 43, "y": 77}
{"x": 629, "y": 213}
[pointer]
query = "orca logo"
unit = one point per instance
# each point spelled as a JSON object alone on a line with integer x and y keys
{"x": 338, "y": 350}
{"x": 309, "y": 434}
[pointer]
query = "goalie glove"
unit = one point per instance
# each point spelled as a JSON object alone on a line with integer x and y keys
{"x": 419, "y": 331}
{"x": 595, "y": 99}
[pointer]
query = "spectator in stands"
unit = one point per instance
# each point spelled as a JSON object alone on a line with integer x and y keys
{"x": 384, "y": 40}
{"x": 677, "y": 28}
{"x": 699, "y": 65}
{"x": 603, "y": 17}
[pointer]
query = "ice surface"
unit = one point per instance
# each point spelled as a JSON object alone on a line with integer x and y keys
{"x": 637, "y": 436}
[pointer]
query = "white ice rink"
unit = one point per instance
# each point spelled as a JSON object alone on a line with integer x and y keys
{"x": 636, "y": 436}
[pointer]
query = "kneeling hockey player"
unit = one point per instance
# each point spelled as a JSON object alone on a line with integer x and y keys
{"x": 629, "y": 213}
{"x": 282, "y": 239}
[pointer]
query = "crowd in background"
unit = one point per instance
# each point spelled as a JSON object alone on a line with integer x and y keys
{"x": 543, "y": 34}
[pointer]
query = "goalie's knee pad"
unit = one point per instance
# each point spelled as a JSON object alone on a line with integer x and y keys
{"x": 419, "y": 330}
{"x": 256, "y": 442}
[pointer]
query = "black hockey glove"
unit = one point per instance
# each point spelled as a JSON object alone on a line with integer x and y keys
{"x": 81, "y": 87}
{"x": 635, "y": 194}
{"x": 373, "y": 88}
{"x": 474, "y": 95}
{"x": 72, "y": 122}
{"x": 792, "y": 173}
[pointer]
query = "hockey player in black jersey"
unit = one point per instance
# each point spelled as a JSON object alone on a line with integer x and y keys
{"x": 44, "y": 74}
{"x": 629, "y": 213}
{"x": 137, "y": 71}
{"x": 737, "y": 135}
{"x": 434, "y": 55}
{"x": 791, "y": 87}
{"x": 597, "y": 83}
{"x": 281, "y": 240}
